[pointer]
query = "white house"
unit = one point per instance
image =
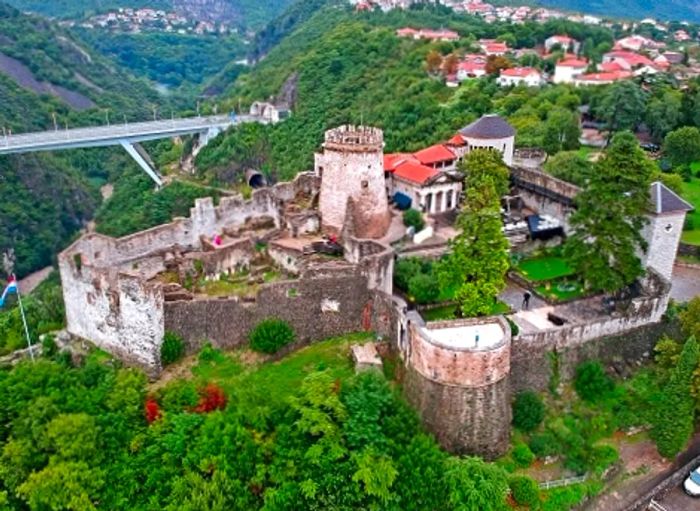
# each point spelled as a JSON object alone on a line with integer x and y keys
{"x": 491, "y": 132}
{"x": 568, "y": 69}
{"x": 527, "y": 76}
{"x": 568, "y": 44}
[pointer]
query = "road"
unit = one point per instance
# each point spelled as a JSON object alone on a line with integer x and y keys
{"x": 106, "y": 135}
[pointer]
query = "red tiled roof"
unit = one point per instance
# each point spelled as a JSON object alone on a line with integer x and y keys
{"x": 406, "y": 31}
{"x": 521, "y": 72}
{"x": 611, "y": 67}
{"x": 435, "y": 154}
{"x": 457, "y": 141}
{"x": 471, "y": 67}
{"x": 393, "y": 160}
{"x": 634, "y": 59}
{"x": 415, "y": 172}
{"x": 573, "y": 62}
{"x": 605, "y": 77}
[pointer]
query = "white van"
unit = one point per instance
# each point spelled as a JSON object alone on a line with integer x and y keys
{"x": 692, "y": 483}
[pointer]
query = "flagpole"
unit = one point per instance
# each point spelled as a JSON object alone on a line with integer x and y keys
{"x": 24, "y": 322}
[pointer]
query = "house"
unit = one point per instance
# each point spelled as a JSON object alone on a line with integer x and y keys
{"x": 568, "y": 69}
{"x": 566, "y": 43}
{"x": 269, "y": 112}
{"x": 490, "y": 132}
{"x": 681, "y": 36}
{"x": 438, "y": 157}
{"x": 636, "y": 43}
{"x": 528, "y": 76}
{"x": 491, "y": 47}
{"x": 602, "y": 78}
{"x": 423, "y": 187}
{"x": 472, "y": 66}
{"x": 631, "y": 61}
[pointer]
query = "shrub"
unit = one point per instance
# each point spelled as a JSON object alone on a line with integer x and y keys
{"x": 544, "y": 444}
{"x": 424, "y": 288}
{"x": 591, "y": 382}
{"x": 528, "y": 411}
{"x": 404, "y": 270}
{"x": 413, "y": 218}
{"x": 602, "y": 457}
{"x": 178, "y": 395}
{"x": 525, "y": 491}
{"x": 211, "y": 398}
{"x": 270, "y": 335}
{"x": 522, "y": 455}
{"x": 152, "y": 410}
{"x": 49, "y": 348}
{"x": 689, "y": 224}
{"x": 172, "y": 349}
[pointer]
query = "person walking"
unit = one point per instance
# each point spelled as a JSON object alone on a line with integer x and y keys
{"x": 526, "y": 300}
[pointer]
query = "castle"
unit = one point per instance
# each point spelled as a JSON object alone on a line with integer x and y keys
{"x": 211, "y": 277}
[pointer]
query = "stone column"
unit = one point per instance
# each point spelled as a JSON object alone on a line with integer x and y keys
{"x": 444, "y": 200}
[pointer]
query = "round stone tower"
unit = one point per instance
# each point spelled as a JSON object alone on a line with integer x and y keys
{"x": 353, "y": 189}
{"x": 457, "y": 377}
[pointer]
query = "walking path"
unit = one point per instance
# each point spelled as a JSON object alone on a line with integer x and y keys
{"x": 685, "y": 282}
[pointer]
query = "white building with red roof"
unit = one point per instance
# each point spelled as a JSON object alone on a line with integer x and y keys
{"x": 567, "y": 69}
{"x": 631, "y": 61}
{"x": 471, "y": 66}
{"x": 602, "y": 78}
{"x": 528, "y": 76}
{"x": 636, "y": 43}
{"x": 430, "y": 179}
{"x": 491, "y": 47}
{"x": 566, "y": 43}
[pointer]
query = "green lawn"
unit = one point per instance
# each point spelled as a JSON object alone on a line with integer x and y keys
{"x": 447, "y": 312}
{"x": 691, "y": 193}
{"x": 561, "y": 290}
{"x": 268, "y": 384}
{"x": 544, "y": 268}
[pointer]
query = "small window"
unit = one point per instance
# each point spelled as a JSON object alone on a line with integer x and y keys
{"x": 668, "y": 228}
{"x": 365, "y": 184}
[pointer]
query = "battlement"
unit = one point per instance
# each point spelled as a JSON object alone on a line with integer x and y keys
{"x": 354, "y": 139}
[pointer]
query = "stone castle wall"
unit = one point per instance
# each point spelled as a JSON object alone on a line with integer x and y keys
{"x": 328, "y": 304}
{"x": 462, "y": 394}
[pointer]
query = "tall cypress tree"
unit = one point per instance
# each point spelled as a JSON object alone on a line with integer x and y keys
{"x": 611, "y": 212}
{"x": 478, "y": 261}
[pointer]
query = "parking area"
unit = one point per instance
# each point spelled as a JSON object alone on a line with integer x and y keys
{"x": 677, "y": 500}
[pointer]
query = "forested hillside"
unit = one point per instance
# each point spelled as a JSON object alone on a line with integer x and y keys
{"x": 245, "y": 13}
{"x": 167, "y": 58}
{"x": 341, "y": 67}
{"x": 678, "y": 10}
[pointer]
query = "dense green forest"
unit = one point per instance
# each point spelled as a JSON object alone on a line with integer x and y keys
{"x": 165, "y": 58}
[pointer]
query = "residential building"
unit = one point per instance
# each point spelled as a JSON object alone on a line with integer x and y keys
{"x": 528, "y": 76}
{"x": 566, "y": 43}
{"x": 568, "y": 69}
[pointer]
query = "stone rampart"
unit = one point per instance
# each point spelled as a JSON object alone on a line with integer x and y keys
{"x": 329, "y": 304}
{"x": 462, "y": 392}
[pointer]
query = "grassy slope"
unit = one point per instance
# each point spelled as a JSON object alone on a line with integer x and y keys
{"x": 691, "y": 192}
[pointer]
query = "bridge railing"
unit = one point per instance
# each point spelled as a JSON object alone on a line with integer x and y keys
{"x": 547, "y": 485}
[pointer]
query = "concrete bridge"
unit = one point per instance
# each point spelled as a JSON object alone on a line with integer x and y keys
{"x": 129, "y": 136}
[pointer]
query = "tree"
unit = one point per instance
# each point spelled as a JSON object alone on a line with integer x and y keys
{"x": 71, "y": 486}
{"x": 570, "y": 166}
{"x": 433, "y": 62}
{"x": 172, "y": 349}
{"x": 413, "y": 218}
{"x": 474, "y": 484}
{"x": 690, "y": 318}
{"x": 528, "y": 411}
{"x": 591, "y": 382}
{"x": 478, "y": 260}
{"x": 494, "y": 64}
{"x": 622, "y": 106}
{"x": 663, "y": 114}
{"x": 682, "y": 146}
{"x": 449, "y": 65}
{"x": 675, "y": 417}
{"x": 605, "y": 240}
{"x": 424, "y": 288}
{"x": 561, "y": 131}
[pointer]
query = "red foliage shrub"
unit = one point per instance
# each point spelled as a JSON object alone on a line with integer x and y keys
{"x": 211, "y": 398}
{"x": 152, "y": 410}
